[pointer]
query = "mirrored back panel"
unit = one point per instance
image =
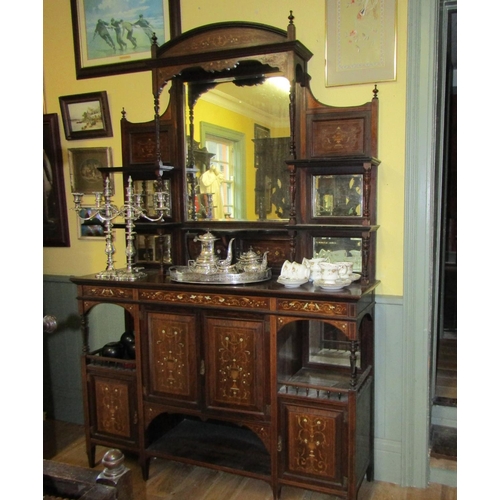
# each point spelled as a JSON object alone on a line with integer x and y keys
{"x": 237, "y": 143}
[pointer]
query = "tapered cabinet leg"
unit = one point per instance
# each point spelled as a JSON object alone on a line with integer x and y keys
{"x": 276, "y": 492}
{"x": 91, "y": 455}
{"x": 145, "y": 468}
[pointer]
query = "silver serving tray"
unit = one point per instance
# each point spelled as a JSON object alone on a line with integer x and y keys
{"x": 186, "y": 274}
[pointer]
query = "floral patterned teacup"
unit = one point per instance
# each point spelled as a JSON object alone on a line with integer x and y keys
{"x": 329, "y": 272}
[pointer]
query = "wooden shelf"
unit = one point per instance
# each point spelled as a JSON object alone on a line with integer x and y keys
{"x": 216, "y": 444}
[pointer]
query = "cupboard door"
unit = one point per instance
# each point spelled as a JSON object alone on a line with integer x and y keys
{"x": 312, "y": 443}
{"x": 113, "y": 407}
{"x": 172, "y": 365}
{"x": 236, "y": 365}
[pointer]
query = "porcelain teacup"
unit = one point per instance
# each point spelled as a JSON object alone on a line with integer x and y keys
{"x": 329, "y": 272}
{"x": 313, "y": 265}
{"x": 286, "y": 269}
{"x": 300, "y": 271}
{"x": 345, "y": 269}
{"x": 295, "y": 271}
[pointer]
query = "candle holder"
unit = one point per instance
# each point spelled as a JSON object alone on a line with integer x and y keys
{"x": 133, "y": 209}
{"x": 106, "y": 212}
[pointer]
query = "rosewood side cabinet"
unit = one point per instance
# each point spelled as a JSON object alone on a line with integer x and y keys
{"x": 256, "y": 379}
{"x": 259, "y": 380}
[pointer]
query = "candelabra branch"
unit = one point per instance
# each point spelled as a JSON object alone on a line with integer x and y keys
{"x": 133, "y": 209}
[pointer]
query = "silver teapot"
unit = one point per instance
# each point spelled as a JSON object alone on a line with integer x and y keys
{"x": 207, "y": 261}
{"x": 251, "y": 262}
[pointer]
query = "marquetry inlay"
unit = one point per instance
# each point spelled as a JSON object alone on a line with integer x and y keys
{"x": 205, "y": 299}
{"x": 103, "y": 292}
{"x": 310, "y": 438}
{"x": 235, "y": 366}
{"x": 218, "y": 41}
{"x": 337, "y": 136}
{"x": 310, "y": 306}
{"x": 150, "y": 413}
{"x": 144, "y": 148}
{"x": 170, "y": 362}
{"x": 112, "y": 408}
{"x": 263, "y": 433}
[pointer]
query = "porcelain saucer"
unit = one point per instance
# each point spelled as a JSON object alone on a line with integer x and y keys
{"x": 354, "y": 276}
{"x": 338, "y": 285}
{"x": 291, "y": 282}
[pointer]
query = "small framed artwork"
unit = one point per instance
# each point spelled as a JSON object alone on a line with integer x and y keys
{"x": 55, "y": 215}
{"x": 261, "y": 132}
{"x": 360, "y": 41}
{"x": 84, "y": 166}
{"x": 89, "y": 227}
{"x": 86, "y": 116}
{"x": 112, "y": 38}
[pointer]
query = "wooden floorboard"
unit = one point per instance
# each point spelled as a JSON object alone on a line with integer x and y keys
{"x": 444, "y": 442}
{"x": 169, "y": 480}
{"x": 446, "y": 373}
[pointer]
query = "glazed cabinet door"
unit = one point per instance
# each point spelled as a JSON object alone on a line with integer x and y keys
{"x": 171, "y": 371}
{"x": 113, "y": 407}
{"x": 312, "y": 441}
{"x": 236, "y": 368}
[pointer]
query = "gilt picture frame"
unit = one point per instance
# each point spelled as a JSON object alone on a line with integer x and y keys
{"x": 110, "y": 39}
{"x": 361, "y": 40}
{"x": 55, "y": 214}
{"x": 86, "y": 116}
{"x": 84, "y": 166}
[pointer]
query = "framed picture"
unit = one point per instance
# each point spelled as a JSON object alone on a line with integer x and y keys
{"x": 84, "y": 166}
{"x": 115, "y": 37}
{"x": 360, "y": 41}
{"x": 89, "y": 227}
{"x": 261, "y": 132}
{"x": 86, "y": 116}
{"x": 55, "y": 215}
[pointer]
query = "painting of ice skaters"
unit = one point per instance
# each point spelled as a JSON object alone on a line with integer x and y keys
{"x": 119, "y": 30}
{"x": 85, "y": 116}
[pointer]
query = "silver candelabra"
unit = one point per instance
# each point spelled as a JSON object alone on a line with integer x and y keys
{"x": 133, "y": 209}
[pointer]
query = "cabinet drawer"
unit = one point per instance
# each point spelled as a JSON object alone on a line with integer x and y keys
{"x": 331, "y": 309}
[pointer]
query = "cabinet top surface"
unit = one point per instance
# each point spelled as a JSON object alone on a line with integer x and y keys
{"x": 272, "y": 287}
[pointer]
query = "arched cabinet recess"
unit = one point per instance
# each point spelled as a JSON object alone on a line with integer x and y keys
{"x": 271, "y": 382}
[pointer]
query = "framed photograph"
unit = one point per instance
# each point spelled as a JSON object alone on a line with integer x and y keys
{"x": 84, "y": 166}
{"x": 55, "y": 215}
{"x": 86, "y": 116}
{"x": 360, "y": 41}
{"x": 88, "y": 227}
{"x": 112, "y": 37}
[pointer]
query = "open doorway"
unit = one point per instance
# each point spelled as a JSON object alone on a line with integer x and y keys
{"x": 445, "y": 392}
{"x": 443, "y": 433}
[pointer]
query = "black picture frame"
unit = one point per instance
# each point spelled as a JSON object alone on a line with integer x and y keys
{"x": 86, "y": 116}
{"x": 55, "y": 215}
{"x": 119, "y": 66}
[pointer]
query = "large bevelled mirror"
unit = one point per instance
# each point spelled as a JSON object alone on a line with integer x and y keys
{"x": 238, "y": 139}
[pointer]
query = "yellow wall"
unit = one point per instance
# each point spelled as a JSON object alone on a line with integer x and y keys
{"x": 222, "y": 117}
{"x": 216, "y": 115}
{"x": 133, "y": 92}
